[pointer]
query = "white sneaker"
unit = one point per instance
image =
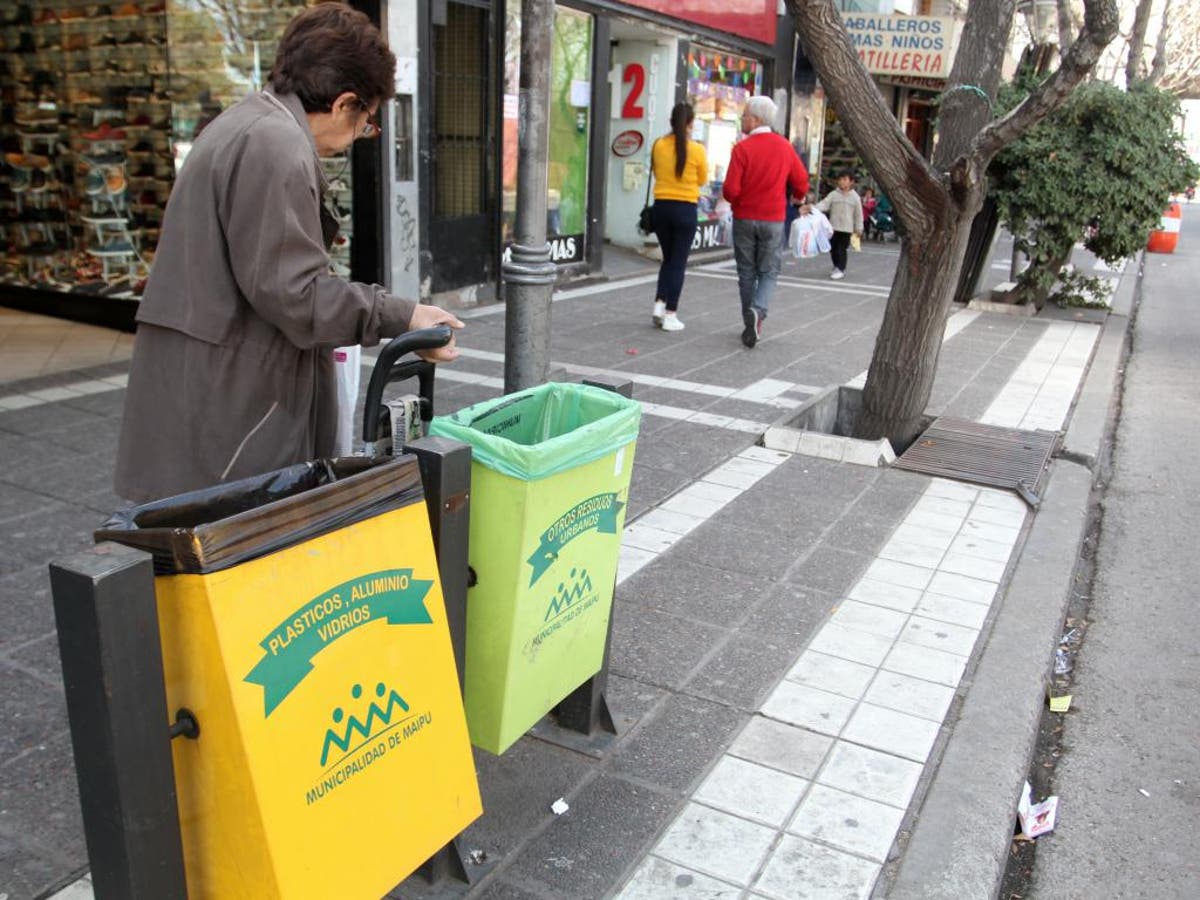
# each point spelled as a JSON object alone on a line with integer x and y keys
{"x": 671, "y": 322}
{"x": 837, "y": 274}
{"x": 660, "y": 310}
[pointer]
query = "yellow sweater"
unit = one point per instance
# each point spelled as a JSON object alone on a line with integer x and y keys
{"x": 695, "y": 171}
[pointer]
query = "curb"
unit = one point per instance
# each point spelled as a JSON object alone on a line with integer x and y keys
{"x": 1090, "y": 419}
{"x": 959, "y": 843}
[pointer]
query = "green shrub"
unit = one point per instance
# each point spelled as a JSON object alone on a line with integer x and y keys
{"x": 1099, "y": 170}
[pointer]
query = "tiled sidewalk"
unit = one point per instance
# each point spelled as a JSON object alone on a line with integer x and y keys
{"x": 807, "y": 802}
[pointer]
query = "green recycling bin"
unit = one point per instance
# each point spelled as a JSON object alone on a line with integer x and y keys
{"x": 549, "y": 488}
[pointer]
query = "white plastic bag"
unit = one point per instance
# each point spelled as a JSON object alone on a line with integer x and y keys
{"x": 347, "y": 365}
{"x": 810, "y": 235}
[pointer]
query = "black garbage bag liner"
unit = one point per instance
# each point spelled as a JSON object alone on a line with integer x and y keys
{"x": 221, "y": 526}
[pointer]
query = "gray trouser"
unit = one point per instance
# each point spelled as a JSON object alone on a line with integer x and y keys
{"x": 757, "y": 249}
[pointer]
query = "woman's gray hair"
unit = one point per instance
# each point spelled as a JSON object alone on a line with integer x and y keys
{"x": 763, "y": 108}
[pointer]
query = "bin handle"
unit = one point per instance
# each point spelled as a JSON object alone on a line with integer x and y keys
{"x": 386, "y": 364}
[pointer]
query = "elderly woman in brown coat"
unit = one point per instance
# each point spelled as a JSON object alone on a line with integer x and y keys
{"x": 232, "y": 371}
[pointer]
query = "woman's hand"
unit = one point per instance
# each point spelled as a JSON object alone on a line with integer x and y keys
{"x": 425, "y": 316}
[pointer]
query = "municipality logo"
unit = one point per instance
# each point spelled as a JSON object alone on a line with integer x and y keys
{"x": 341, "y": 736}
{"x": 573, "y": 596}
{"x": 577, "y": 586}
{"x": 360, "y": 739}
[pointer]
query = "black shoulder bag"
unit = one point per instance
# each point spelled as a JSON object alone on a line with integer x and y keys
{"x": 645, "y": 223}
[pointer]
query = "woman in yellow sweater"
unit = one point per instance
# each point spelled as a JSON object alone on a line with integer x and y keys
{"x": 680, "y": 169}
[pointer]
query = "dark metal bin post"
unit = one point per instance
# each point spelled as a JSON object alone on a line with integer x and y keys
{"x": 112, "y": 667}
{"x": 446, "y": 474}
{"x": 585, "y": 710}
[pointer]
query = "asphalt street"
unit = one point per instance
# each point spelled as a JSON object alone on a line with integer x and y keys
{"x": 1128, "y": 781}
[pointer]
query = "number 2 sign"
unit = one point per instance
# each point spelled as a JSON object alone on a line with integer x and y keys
{"x": 628, "y": 85}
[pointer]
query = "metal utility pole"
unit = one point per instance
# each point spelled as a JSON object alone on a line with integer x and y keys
{"x": 529, "y": 274}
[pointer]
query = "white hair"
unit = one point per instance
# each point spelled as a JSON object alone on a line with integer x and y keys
{"x": 762, "y": 108}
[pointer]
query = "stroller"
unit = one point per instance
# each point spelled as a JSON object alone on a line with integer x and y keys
{"x": 883, "y": 221}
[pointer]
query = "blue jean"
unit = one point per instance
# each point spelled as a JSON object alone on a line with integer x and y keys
{"x": 675, "y": 225}
{"x": 757, "y": 247}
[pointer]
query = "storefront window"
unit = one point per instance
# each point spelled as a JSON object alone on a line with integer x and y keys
{"x": 718, "y": 86}
{"x": 570, "y": 126}
{"x": 101, "y": 103}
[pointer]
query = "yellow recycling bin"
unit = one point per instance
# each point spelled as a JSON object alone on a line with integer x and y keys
{"x": 549, "y": 485}
{"x": 313, "y": 649}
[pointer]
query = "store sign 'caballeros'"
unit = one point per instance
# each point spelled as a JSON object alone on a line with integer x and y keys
{"x": 903, "y": 45}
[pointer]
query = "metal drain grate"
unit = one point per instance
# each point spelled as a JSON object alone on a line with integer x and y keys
{"x": 983, "y": 454}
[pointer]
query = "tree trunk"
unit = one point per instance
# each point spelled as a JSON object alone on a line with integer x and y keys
{"x": 1039, "y": 296}
{"x": 937, "y": 202}
{"x": 904, "y": 363}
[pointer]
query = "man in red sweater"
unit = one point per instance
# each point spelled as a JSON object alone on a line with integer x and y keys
{"x": 762, "y": 169}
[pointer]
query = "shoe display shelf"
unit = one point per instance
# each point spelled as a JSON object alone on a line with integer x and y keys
{"x": 103, "y": 68}
{"x": 34, "y": 202}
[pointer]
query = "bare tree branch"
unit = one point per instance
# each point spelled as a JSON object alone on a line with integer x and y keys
{"x": 1066, "y": 26}
{"x": 1135, "y": 67}
{"x": 1099, "y": 26}
{"x": 1182, "y": 74}
{"x": 1159, "y": 67}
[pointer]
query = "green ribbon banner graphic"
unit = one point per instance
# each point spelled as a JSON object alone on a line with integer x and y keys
{"x": 392, "y": 595}
{"x": 598, "y": 513}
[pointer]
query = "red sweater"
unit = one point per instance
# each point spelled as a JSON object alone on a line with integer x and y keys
{"x": 759, "y": 169}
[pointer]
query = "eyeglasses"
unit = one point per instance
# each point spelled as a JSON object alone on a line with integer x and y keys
{"x": 371, "y": 129}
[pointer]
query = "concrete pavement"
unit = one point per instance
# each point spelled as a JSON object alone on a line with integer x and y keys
{"x": 794, "y": 637}
{"x": 1127, "y": 781}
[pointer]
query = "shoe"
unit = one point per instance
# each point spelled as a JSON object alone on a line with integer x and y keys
{"x": 837, "y": 274}
{"x": 93, "y": 182}
{"x": 671, "y": 322}
{"x": 116, "y": 245}
{"x": 103, "y": 159}
{"x": 114, "y": 180}
{"x": 753, "y": 323}
{"x": 660, "y": 310}
{"x": 104, "y": 133}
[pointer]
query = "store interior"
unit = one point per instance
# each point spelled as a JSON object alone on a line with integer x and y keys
{"x": 101, "y": 104}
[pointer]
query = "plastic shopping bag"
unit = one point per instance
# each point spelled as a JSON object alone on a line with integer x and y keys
{"x": 810, "y": 235}
{"x": 347, "y": 364}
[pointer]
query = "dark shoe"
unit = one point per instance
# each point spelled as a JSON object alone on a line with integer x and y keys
{"x": 750, "y": 319}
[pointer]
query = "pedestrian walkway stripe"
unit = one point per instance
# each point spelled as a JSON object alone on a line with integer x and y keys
{"x": 656, "y": 531}
{"x": 768, "y": 390}
{"x": 812, "y": 283}
{"x": 1040, "y": 392}
{"x": 71, "y": 391}
{"x": 496, "y": 309}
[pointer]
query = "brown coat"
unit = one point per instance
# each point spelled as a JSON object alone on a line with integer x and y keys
{"x": 232, "y": 373}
